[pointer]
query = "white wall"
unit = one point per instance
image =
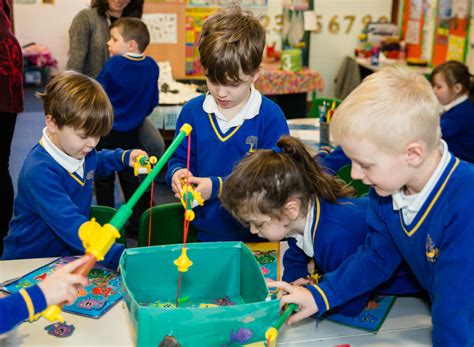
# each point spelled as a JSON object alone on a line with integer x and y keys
{"x": 47, "y": 24}
{"x": 328, "y": 50}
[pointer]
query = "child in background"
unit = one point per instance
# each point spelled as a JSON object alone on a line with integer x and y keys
{"x": 59, "y": 287}
{"x": 56, "y": 180}
{"x": 285, "y": 194}
{"x": 420, "y": 207}
{"x": 131, "y": 81}
{"x": 454, "y": 89}
{"x": 232, "y": 120}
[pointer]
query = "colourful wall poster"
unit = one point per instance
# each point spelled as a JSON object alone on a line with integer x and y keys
{"x": 456, "y": 45}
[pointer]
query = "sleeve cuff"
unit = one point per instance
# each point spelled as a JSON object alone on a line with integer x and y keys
{"x": 37, "y": 298}
{"x": 216, "y": 186}
{"x": 320, "y": 298}
{"x": 126, "y": 157}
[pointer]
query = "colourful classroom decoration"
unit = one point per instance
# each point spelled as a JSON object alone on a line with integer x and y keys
{"x": 194, "y": 20}
{"x": 103, "y": 292}
{"x": 225, "y": 296}
{"x": 273, "y": 81}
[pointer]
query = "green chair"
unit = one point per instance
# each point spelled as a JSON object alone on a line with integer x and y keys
{"x": 344, "y": 174}
{"x": 166, "y": 225}
{"x": 316, "y": 102}
{"x": 103, "y": 215}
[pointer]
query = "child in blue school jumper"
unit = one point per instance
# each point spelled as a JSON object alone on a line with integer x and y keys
{"x": 56, "y": 180}
{"x": 59, "y": 287}
{"x": 130, "y": 79}
{"x": 454, "y": 89}
{"x": 284, "y": 193}
{"x": 232, "y": 120}
{"x": 420, "y": 207}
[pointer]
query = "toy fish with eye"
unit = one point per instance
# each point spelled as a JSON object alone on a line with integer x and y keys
{"x": 60, "y": 329}
{"x": 90, "y": 304}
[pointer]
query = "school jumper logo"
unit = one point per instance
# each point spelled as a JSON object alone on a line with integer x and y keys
{"x": 90, "y": 175}
{"x": 252, "y": 141}
{"x": 431, "y": 251}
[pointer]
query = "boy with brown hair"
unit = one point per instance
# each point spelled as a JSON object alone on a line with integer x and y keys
{"x": 130, "y": 79}
{"x": 420, "y": 207}
{"x": 56, "y": 181}
{"x": 233, "y": 119}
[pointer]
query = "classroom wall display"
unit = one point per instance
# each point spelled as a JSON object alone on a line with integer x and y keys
{"x": 436, "y": 30}
{"x": 339, "y": 23}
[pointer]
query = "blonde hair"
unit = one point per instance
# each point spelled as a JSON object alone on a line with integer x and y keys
{"x": 78, "y": 101}
{"x": 391, "y": 108}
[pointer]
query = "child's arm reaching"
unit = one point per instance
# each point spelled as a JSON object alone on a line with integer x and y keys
{"x": 295, "y": 295}
{"x": 57, "y": 288}
{"x": 116, "y": 160}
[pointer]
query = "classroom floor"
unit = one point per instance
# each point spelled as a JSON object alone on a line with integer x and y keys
{"x": 28, "y": 131}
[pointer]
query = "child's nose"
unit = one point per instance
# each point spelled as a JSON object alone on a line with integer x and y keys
{"x": 253, "y": 230}
{"x": 356, "y": 172}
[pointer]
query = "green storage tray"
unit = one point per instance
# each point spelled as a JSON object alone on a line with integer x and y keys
{"x": 220, "y": 269}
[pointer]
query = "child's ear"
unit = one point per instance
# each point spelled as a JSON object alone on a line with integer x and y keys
{"x": 415, "y": 153}
{"x": 292, "y": 208}
{"x": 132, "y": 46}
{"x": 458, "y": 88}
{"x": 51, "y": 124}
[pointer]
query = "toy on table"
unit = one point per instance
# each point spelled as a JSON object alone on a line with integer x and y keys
{"x": 272, "y": 332}
{"x": 143, "y": 164}
{"x": 98, "y": 239}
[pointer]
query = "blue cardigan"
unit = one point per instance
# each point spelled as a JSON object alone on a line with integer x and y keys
{"x": 457, "y": 129}
{"x": 53, "y": 203}
{"x": 337, "y": 232}
{"x": 437, "y": 245}
{"x": 214, "y": 154}
{"x": 13, "y": 308}
{"x": 132, "y": 87}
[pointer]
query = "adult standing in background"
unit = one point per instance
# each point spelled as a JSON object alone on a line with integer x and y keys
{"x": 89, "y": 33}
{"x": 11, "y": 103}
{"x": 88, "y": 36}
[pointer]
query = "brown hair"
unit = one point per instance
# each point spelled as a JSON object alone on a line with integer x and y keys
{"x": 455, "y": 72}
{"x": 264, "y": 181}
{"x": 133, "y": 9}
{"x": 78, "y": 101}
{"x": 231, "y": 43}
{"x": 133, "y": 29}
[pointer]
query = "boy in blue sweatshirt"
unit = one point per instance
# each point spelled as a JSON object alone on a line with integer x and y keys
{"x": 56, "y": 181}
{"x": 232, "y": 120}
{"x": 130, "y": 79}
{"x": 420, "y": 207}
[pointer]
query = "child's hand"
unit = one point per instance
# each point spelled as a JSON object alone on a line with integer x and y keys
{"x": 296, "y": 295}
{"x": 176, "y": 181}
{"x": 134, "y": 154}
{"x": 203, "y": 185}
{"x": 61, "y": 285}
{"x": 301, "y": 282}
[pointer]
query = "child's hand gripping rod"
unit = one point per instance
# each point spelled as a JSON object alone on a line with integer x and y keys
{"x": 97, "y": 239}
{"x": 272, "y": 332}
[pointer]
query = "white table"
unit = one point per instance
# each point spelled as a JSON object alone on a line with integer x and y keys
{"x": 409, "y": 323}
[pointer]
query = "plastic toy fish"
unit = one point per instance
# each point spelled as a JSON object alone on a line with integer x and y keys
{"x": 90, "y": 304}
{"x": 240, "y": 336}
{"x": 60, "y": 329}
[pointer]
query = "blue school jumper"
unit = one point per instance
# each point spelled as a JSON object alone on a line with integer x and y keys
{"x": 457, "y": 129}
{"x": 337, "y": 232}
{"x": 214, "y": 154}
{"x": 132, "y": 86}
{"x": 13, "y": 308}
{"x": 52, "y": 204}
{"x": 438, "y": 246}
{"x": 333, "y": 161}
